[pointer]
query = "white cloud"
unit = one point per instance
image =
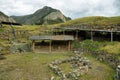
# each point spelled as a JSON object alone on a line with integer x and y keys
{"x": 72, "y": 8}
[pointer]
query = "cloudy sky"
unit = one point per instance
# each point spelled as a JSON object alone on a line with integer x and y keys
{"x": 71, "y": 8}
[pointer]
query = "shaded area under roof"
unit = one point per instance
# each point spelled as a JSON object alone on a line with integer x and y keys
{"x": 53, "y": 37}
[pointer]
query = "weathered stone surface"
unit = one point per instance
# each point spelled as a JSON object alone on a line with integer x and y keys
{"x": 21, "y": 47}
{"x": 5, "y": 18}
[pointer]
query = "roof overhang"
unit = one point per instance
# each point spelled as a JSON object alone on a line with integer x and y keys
{"x": 53, "y": 37}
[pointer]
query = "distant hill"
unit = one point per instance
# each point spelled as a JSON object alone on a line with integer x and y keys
{"x": 46, "y": 15}
{"x": 4, "y": 17}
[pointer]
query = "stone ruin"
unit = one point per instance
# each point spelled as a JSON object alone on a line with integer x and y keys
{"x": 118, "y": 72}
{"x": 79, "y": 66}
{"x": 117, "y": 76}
{"x": 21, "y": 47}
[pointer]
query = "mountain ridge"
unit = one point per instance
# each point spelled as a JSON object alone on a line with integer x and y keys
{"x": 42, "y": 16}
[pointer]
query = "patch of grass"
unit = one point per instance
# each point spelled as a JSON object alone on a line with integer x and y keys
{"x": 112, "y": 49}
{"x": 28, "y": 66}
{"x": 66, "y": 67}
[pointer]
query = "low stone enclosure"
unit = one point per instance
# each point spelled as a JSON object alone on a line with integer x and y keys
{"x": 79, "y": 65}
{"x": 53, "y": 43}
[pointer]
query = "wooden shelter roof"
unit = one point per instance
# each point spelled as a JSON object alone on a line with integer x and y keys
{"x": 53, "y": 37}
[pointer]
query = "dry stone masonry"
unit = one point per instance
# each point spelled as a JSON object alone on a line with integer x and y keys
{"x": 79, "y": 66}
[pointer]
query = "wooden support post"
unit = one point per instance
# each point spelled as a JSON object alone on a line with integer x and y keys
{"x": 76, "y": 37}
{"x": 33, "y": 45}
{"x": 91, "y": 36}
{"x": 69, "y": 45}
{"x": 111, "y": 36}
{"x": 50, "y": 46}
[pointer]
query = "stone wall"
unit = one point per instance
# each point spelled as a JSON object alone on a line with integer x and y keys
{"x": 21, "y": 47}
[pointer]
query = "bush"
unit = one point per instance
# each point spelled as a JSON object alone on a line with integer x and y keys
{"x": 87, "y": 45}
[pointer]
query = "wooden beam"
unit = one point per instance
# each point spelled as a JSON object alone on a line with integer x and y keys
{"x": 111, "y": 36}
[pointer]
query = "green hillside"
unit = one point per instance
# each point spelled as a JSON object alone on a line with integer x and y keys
{"x": 93, "y": 21}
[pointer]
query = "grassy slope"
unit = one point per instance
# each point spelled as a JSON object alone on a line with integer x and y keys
{"x": 33, "y": 66}
{"x": 93, "y": 20}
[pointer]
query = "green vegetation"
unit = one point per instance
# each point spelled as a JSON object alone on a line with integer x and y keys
{"x": 34, "y": 66}
{"x": 111, "y": 48}
{"x": 88, "y": 45}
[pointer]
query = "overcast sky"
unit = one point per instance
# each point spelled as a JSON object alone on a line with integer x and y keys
{"x": 71, "y": 8}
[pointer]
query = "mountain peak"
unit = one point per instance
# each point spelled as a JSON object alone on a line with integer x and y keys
{"x": 46, "y": 15}
{"x": 46, "y": 7}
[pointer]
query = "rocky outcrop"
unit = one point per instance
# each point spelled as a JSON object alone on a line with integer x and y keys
{"x": 5, "y": 18}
